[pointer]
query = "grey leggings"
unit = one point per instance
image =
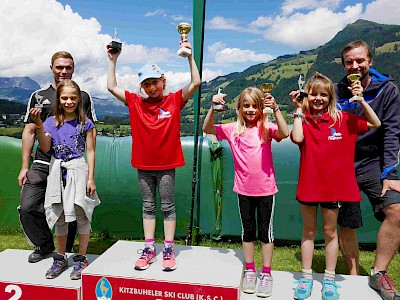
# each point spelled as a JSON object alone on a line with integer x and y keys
{"x": 164, "y": 181}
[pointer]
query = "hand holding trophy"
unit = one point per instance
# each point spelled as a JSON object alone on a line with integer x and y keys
{"x": 184, "y": 29}
{"x": 301, "y": 83}
{"x": 219, "y": 107}
{"x": 357, "y": 96}
{"x": 115, "y": 45}
{"x": 267, "y": 88}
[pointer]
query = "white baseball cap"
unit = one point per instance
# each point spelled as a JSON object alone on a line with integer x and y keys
{"x": 149, "y": 71}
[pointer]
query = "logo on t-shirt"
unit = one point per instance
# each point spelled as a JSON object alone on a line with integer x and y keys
{"x": 164, "y": 114}
{"x": 334, "y": 135}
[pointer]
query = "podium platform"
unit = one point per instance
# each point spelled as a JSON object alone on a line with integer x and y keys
{"x": 202, "y": 274}
{"x": 20, "y": 279}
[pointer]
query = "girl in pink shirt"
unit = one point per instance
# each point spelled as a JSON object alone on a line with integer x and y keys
{"x": 254, "y": 181}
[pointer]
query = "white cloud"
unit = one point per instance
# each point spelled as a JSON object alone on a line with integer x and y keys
{"x": 262, "y": 22}
{"x": 383, "y": 11}
{"x": 234, "y": 55}
{"x": 211, "y": 74}
{"x": 290, "y": 6}
{"x": 156, "y": 13}
{"x": 32, "y": 33}
{"x": 221, "y": 23}
{"x": 307, "y": 31}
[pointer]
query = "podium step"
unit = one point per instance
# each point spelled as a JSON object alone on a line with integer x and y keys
{"x": 202, "y": 274}
{"x": 20, "y": 279}
{"x": 352, "y": 287}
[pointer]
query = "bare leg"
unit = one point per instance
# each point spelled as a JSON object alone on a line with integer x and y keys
{"x": 248, "y": 251}
{"x": 83, "y": 243}
{"x": 388, "y": 240}
{"x": 61, "y": 243}
{"x": 309, "y": 214}
{"x": 329, "y": 221}
{"x": 149, "y": 227}
{"x": 348, "y": 242}
{"x": 169, "y": 230}
{"x": 267, "y": 249}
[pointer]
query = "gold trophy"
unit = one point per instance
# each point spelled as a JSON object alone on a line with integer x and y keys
{"x": 184, "y": 29}
{"x": 267, "y": 88}
{"x": 115, "y": 45}
{"x": 352, "y": 78}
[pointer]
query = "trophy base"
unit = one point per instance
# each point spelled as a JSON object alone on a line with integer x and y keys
{"x": 184, "y": 52}
{"x": 115, "y": 47}
{"x": 268, "y": 111}
{"x": 356, "y": 99}
{"x": 219, "y": 107}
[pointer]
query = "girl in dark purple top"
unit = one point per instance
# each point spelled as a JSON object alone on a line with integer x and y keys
{"x": 66, "y": 135}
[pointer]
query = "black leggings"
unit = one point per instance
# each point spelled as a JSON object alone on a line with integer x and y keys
{"x": 265, "y": 216}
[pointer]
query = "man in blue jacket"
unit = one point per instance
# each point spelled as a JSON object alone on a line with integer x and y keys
{"x": 376, "y": 159}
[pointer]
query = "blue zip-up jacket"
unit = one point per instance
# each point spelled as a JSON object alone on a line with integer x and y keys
{"x": 379, "y": 147}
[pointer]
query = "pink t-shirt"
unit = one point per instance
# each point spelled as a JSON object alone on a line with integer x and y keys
{"x": 254, "y": 168}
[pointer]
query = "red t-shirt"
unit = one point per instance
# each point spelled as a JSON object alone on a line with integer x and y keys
{"x": 155, "y": 126}
{"x": 326, "y": 171}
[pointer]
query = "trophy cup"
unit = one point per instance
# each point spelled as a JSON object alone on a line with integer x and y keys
{"x": 219, "y": 107}
{"x": 301, "y": 83}
{"x": 267, "y": 88}
{"x": 184, "y": 29}
{"x": 352, "y": 78}
{"x": 115, "y": 45}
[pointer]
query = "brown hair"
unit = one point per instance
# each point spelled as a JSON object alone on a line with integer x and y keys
{"x": 356, "y": 44}
{"x": 59, "y": 114}
{"x": 61, "y": 54}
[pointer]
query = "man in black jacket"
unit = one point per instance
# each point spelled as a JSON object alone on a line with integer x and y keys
{"x": 376, "y": 159}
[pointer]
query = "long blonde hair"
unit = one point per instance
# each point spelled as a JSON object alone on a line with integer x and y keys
{"x": 256, "y": 95}
{"x": 320, "y": 81}
{"x": 59, "y": 114}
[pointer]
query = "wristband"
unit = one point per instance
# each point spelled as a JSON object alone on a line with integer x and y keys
{"x": 298, "y": 115}
{"x": 276, "y": 108}
{"x": 38, "y": 127}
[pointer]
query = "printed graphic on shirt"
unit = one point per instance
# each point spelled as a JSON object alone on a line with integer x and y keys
{"x": 164, "y": 114}
{"x": 334, "y": 135}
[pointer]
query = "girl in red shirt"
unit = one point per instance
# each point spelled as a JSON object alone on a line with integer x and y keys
{"x": 326, "y": 138}
{"x": 156, "y": 147}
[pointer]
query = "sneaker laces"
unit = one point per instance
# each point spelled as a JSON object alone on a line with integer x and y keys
{"x": 56, "y": 264}
{"x": 249, "y": 276}
{"x": 145, "y": 253}
{"x": 264, "y": 280}
{"x": 78, "y": 265}
{"x": 303, "y": 284}
{"x": 388, "y": 286}
{"x": 329, "y": 285}
{"x": 168, "y": 253}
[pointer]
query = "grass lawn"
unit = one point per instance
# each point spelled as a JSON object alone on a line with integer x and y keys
{"x": 285, "y": 258}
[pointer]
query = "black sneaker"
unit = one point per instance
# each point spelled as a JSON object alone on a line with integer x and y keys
{"x": 80, "y": 263}
{"x": 60, "y": 264}
{"x": 37, "y": 255}
{"x": 382, "y": 283}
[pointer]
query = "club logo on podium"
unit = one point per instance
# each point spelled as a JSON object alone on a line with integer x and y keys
{"x": 103, "y": 289}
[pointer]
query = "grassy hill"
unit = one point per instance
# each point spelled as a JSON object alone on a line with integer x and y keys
{"x": 285, "y": 70}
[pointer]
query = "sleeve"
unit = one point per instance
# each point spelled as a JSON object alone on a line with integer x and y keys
{"x": 88, "y": 106}
{"x": 223, "y": 131}
{"x": 356, "y": 124}
{"x": 48, "y": 125}
{"x": 31, "y": 104}
{"x": 89, "y": 125}
{"x": 129, "y": 98}
{"x": 391, "y": 133}
{"x": 272, "y": 128}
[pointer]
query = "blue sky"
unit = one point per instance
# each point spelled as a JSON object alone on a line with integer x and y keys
{"x": 238, "y": 34}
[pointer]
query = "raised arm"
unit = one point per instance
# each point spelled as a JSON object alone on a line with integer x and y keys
{"x": 111, "y": 78}
{"x": 208, "y": 125}
{"x": 297, "y": 132}
{"x": 283, "y": 129}
{"x": 44, "y": 138}
{"x": 90, "y": 157}
{"x": 372, "y": 119}
{"x": 195, "y": 81}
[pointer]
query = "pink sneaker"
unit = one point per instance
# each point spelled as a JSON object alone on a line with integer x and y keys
{"x": 148, "y": 256}
{"x": 169, "y": 263}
